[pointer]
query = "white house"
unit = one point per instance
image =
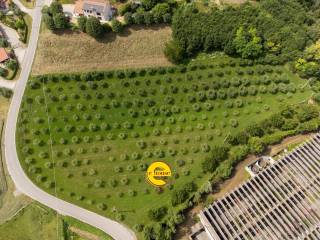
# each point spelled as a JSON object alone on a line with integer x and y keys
{"x": 100, "y": 9}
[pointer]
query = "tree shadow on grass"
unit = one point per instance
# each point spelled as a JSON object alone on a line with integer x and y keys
{"x": 111, "y": 36}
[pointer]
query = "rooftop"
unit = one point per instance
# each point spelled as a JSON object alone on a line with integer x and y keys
{"x": 281, "y": 202}
{"x": 81, "y": 5}
{"x": 3, "y": 55}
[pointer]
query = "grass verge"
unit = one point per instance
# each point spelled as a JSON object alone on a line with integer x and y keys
{"x": 28, "y": 3}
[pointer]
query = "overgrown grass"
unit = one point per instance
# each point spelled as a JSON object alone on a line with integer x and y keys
{"x": 77, "y": 52}
{"x": 104, "y": 131}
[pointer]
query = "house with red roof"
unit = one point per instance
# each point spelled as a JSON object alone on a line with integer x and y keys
{"x": 3, "y": 55}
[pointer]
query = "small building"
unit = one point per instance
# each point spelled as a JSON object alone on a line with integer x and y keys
{"x": 100, "y": 9}
{"x": 261, "y": 163}
{"x": 3, "y": 55}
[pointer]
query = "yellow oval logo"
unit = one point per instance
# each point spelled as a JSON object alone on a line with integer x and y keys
{"x": 157, "y": 170}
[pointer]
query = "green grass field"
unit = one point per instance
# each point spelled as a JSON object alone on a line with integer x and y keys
{"x": 33, "y": 222}
{"x": 38, "y": 222}
{"x": 89, "y": 140}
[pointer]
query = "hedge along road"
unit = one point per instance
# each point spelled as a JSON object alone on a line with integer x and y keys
{"x": 116, "y": 230}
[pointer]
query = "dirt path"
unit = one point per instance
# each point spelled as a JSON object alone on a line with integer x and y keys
{"x": 240, "y": 175}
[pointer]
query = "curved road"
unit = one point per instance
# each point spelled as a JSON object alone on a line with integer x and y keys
{"x": 22, "y": 182}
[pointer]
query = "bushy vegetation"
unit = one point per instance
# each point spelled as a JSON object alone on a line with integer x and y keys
{"x": 54, "y": 18}
{"x": 308, "y": 65}
{"x": 148, "y": 12}
{"x": 93, "y": 26}
{"x": 16, "y": 20}
{"x": 7, "y": 93}
{"x": 271, "y": 31}
{"x": 99, "y": 131}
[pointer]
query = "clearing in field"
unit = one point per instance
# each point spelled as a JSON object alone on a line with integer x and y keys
{"x": 78, "y": 52}
{"x": 99, "y": 131}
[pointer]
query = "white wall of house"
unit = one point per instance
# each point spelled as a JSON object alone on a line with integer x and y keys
{"x": 105, "y": 15}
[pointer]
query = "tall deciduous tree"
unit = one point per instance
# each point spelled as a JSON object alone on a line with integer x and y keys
{"x": 247, "y": 43}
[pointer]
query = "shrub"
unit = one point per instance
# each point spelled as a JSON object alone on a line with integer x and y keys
{"x": 102, "y": 206}
{"x": 94, "y": 27}
{"x": 196, "y": 107}
{"x": 119, "y": 217}
{"x": 307, "y": 113}
{"x": 132, "y": 193}
{"x": 205, "y": 148}
{"x": 141, "y": 144}
{"x": 234, "y": 123}
{"x": 116, "y": 26}
{"x": 316, "y": 97}
{"x": 256, "y": 145}
{"x": 159, "y": 153}
{"x": 48, "y": 20}
{"x": 12, "y": 64}
{"x": 159, "y": 11}
{"x": 82, "y": 20}
{"x": 181, "y": 195}
{"x": 138, "y": 18}
{"x": 98, "y": 183}
{"x": 112, "y": 182}
{"x": 130, "y": 168}
{"x": 138, "y": 227}
{"x": 128, "y": 18}
{"x": 117, "y": 169}
{"x": 174, "y": 52}
{"x": 142, "y": 166}
{"x": 218, "y": 154}
{"x": 148, "y": 18}
{"x": 60, "y": 21}
{"x": 157, "y": 214}
{"x": 178, "y": 197}
{"x": 135, "y": 156}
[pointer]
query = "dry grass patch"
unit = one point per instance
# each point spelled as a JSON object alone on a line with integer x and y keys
{"x": 77, "y": 52}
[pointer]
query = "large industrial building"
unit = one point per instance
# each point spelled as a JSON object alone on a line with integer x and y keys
{"x": 282, "y": 202}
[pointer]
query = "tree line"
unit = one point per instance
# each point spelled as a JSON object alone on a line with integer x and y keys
{"x": 275, "y": 30}
{"x": 145, "y": 13}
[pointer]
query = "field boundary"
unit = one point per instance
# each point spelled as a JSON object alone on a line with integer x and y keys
{"x": 3, "y": 180}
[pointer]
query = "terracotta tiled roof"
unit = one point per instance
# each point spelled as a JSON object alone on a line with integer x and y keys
{"x": 97, "y": 2}
{"x": 3, "y": 55}
{"x": 78, "y": 7}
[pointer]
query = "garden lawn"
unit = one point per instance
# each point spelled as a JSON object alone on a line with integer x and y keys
{"x": 92, "y": 136}
{"x": 78, "y": 52}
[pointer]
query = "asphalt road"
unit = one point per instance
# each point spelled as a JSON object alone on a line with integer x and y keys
{"x": 116, "y": 230}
